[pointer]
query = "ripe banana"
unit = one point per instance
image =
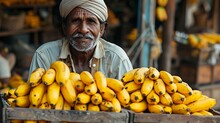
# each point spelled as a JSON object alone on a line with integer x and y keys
{"x": 83, "y": 98}
{"x": 53, "y": 92}
{"x": 166, "y": 99}
{"x": 108, "y": 94}
{"x": 44, "y": 106}
{"x": 159, "y": 87}
{"x": 180, "y": 109}
{"x": 11, "y": 93}
{"x": 79, "y": 86}
{"x": 123, "y": 96}
{"x": 106, "y": 106}
{"x": 30, "y": 121}
{"x": 86, "y": 77}
{"x": 49, "y": 77}
{"x": 177, "y": 79}
{"x": 194, "y": 97}
{"x": 155, "y": 108}
{"x": 116, "y": 105}
{"x": 206, "y": 113}
{"x": 114, "y": 84}
{"x": 66, "y": 106}
{"x": 152, "y": 98}
{"x": 203, "y": 104}
{"x": 147, "y": 86}
{"x": 96, "y": 99}
{"x": 11, "y": 102}
{"x": 36, "y": 94}
{"x": 166, "y": 77}
{"x": 138, "y": 107}
{"x": 91, "y": 89}
{"x": 100, "y": 80}
{"x": 140, "y": 75}
{"x": 22, "y": 90}
{"x": 178, "y": 98}
{"x": 172, "y": 88}
{"x": 80, "y": 107}
{"x": 132, "y": 86}
{"x": 92, "y": 107}
{"x": 22, "y": 101}
{"x": 136, "y": 96}
{"x": 68, "y": 92}
{"x": 153, "y": 73}
{"x": 62, "y": 72}
{"x": 167, "y": 109}
{"x": 44, "y": 99}
{"x": 129, "y": 76}
{"x": 161, "y": 13}
{"x": 60, "y": 103}
{"x": 35, "y": 77}
{"x": 74, "y": 77}
{"x": 184, "y": 88}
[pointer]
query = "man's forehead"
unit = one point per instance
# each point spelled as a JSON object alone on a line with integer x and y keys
{"x": 80, "y": 11}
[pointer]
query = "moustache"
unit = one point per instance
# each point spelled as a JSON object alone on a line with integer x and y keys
{"x": 86, "y": 36}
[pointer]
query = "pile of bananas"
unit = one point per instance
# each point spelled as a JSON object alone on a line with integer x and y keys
{"x": 161, "y": 13}
{"x": 156, "y": 91}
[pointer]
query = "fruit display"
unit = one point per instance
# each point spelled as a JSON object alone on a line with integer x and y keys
{"x": 161, "y": 13}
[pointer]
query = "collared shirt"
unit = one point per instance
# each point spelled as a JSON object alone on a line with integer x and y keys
{"x": 5, "y": 71}
{"x": 108, "y": 57}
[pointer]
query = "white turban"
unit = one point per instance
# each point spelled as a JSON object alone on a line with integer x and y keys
{"x": 97, "y": 7}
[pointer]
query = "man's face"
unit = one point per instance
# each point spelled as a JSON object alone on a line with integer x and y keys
{"x": 82, "y": 29}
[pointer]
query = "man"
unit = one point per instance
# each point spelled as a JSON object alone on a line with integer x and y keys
{"x": 82, "y": 48}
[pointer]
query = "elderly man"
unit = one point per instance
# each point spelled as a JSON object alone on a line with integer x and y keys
{"x": 82, "y": 48}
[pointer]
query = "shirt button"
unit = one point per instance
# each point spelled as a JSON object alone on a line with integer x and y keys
{"x": 93, "y": 65}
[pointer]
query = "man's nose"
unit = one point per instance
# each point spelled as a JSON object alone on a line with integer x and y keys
{"x": 83, "y": 28}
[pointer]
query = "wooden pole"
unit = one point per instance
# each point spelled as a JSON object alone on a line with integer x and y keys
{"x": 216, "y": 16}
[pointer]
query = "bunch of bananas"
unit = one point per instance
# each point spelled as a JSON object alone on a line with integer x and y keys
{"x": 156, "y": 91}
{"x": 161, "y": 13}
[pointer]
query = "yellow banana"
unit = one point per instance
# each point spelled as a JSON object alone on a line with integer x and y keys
{"x": 96, "y": 99}
{"x": 35, "y": 77}
{"x": 62, "y": 72}
{"x": 91, "y": 89}
{"x": 159, "y": 87}
{"x": 22, "y": 101}
{"x": 30, "y": 121}
{"x": 44, "y": 106}
{"x": 194, "y": 97}
{"x": 166, "y": 77}
{"x": 172, "y": 88}
{"x": 116, "y": 104}
{"x": 155, "y": 108}
{"x": 178, "y": 98}
{"x": 11, "y": 93}
{"x": 177, "y": 79}
{"x": 66, "y": 106}
{"x": 140, "y": 75}
{"x": 80, "y": 107}
{"x": 108, "y": 94}
{"x": 153, "y": 73}
{"x": 44, "y": 99}
{"x": 180, "y": 109}
{"x": 68, "y": 92}
{"x": 147, "y": 86}
{"x": 206, "y": 113}
{"x": 49, "y": 77}
{"x": 92, "y": 107}
{"x": 36, "y": 94}
{"x": 114, "y": 84}
{"x": 123, "y": 96}
{"x": 136, "y": 96}
{"x": 203, "y": 104}
{"x": 106, "y": 106}
{"x": 22, "y": 89}
{"x": 161, "y": 13}
{"x": 74, "y": 77}
{"x": 166, "y": 109}
{"x": 60, "y": 103}
{"x": 184, "y": 88}
{"x": 197, "y": 114}
{"x": 100, "y": 80}
{"x": 132, "y": 86}
{"x": 83, "y": 98}
{"x": 79, "y": 86}
{"x": 166, "y": 99}
{"x": 138, "y": 107}
{"x": 129, "y": 76}
{"x": 53, "y": 92}
{"x": 153, "y": 98}
{"x": 11, "y": 102}
{"x": 86, "y": 77}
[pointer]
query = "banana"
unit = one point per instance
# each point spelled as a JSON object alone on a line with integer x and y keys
{"x": 206, "y": 113}
{"x": 96, "y": 99}
{"x": 79, "y": 86}
{"x": 153, "y": 73}
{"x": 177, "y": 79}
{"x": 166, "y": 99}
{"x": 11, "y": 102}
{"x": 161, "y": 13}
{"x": 22, "y": 101}
{"x": 36, "y": 94}
{"x": 91, "y": 89}
{"x": 155, "y": 108}
{"x": 11, "y": 93}
{"x": 180, "y": 109}
{"x": 66, "y": 106}
{"x": 194, "y": 97}
{"x": 22, "y": 90}
{"x": 178, "y": 98}
{"x": 132, "y": 86}
{"x": 166, "y": 109}
{"x": 114, "y": 84}
{"x": 147, "y": 86}
{"x": 152, "y": 98}
{"x": 129, "y": 76}
{"x": 60, "y": 103}
{"x": 100, "y": 80}
{"x": 80, "y": 107}
{"x": 166, "y": 77}
{"x": 159, "y": 87}
{"x": 116, "y": 105}
{"x": 140, "y": 75}
{"x": 74, "y": 77}
{"x": 86, "y": 77}
{"x": 136, "y": 96}
{"x": 62, "y": 72}
{"x": 197, "y": 114}
{"x": 30, "y": 121}
{"x": 53, "y": 92}
{"x": 35, "y": 77}
{"x": 108, "y": 94}
{"x": 92, "y": 107}
{"x": 184, "y": 88}
{"x": 68, "y": 92}
{"x": 138, "y": 106}
{"x": 203, "y": 104}
{"x": 123, "y": 96}
{"x": 106, "y": 106}
{"x": 49, "y": 77}
{"x": 83, "y": 98}
{"x": 172, "y": 88}
{"x": 44, "y": 106}
{"x": 44, "y": 99}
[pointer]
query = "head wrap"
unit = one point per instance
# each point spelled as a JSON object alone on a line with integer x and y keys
{"x": 97, "y": 7}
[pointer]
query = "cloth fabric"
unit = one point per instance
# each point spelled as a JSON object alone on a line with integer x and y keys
{"x": 113, "y": 61}
{"x": 5, "y": 71}
{"x": 97, "y": 7}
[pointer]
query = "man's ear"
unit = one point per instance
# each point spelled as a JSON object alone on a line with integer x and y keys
{"x": 103, "y": 26}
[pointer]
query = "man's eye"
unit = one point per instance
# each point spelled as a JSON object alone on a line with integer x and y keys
{"x": 91, "y": 21}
